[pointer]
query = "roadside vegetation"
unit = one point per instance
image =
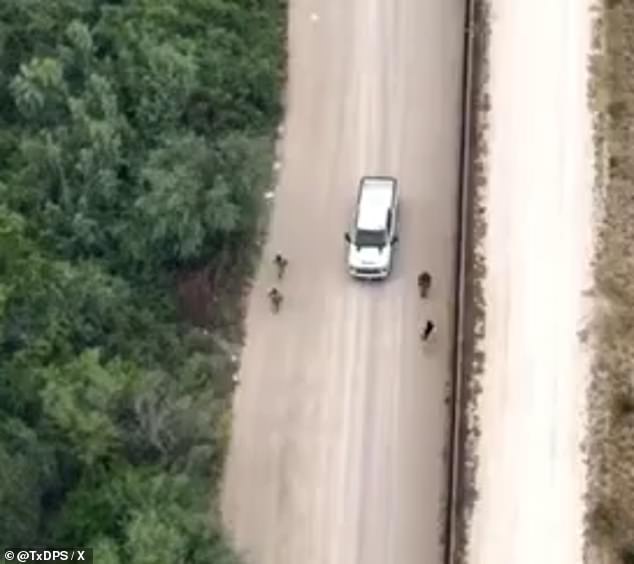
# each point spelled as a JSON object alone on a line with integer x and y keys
{"x": 611, "y": 397}
{"x": 134, "y": 140}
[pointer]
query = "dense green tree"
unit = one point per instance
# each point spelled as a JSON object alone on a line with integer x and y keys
{"x": 27, "y": 469}
{"x": 135, "y": 140}
{"x": 81, "y": 399}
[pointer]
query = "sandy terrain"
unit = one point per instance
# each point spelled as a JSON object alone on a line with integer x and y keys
{"x": 538, "y": 251}
{"x": 339, "y": 426}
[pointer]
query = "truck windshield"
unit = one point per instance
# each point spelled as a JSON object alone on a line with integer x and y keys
{"x": 366, "y": 238}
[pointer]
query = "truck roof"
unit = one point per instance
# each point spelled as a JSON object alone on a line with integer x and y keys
{"x": 376, "y": 195}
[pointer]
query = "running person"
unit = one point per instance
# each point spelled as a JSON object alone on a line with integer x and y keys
{"x": 427, "y": 330}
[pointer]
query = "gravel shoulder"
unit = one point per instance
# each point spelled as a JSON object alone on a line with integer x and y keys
{"x": 538, "y": 250}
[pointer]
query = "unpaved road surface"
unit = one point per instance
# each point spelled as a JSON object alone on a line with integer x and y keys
{"x": 538, "y": 250}
{"x": 340, "y": 419}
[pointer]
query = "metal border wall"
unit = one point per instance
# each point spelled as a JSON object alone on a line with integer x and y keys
{"x": 457, "y": 431}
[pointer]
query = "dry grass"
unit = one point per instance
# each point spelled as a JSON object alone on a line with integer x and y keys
{"x": 610, "y": 516}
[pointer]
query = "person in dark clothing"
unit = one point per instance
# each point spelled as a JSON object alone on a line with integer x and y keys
{"x": 427, "y": 330}
{"x": 276, "y": 299}
{"x": 424, "y": 283}
{"x": 281, "y": 263}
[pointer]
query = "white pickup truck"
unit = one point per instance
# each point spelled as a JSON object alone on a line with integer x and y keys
{"x": 371, "y": 241}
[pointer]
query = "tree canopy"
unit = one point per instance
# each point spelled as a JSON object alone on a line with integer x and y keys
{"x": 135, "y": 141}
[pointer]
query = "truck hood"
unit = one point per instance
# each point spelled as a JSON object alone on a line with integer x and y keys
{"x": 369, "y": 257}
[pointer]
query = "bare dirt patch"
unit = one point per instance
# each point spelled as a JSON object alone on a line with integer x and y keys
{"x": 611, "y": 396}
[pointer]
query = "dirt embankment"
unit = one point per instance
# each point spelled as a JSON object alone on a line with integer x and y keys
{"x": 611, "y": 396}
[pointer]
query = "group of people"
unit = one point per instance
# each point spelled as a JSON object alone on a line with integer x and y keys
{"x": 275, "y": 295}
{"x": 424, "y": 285}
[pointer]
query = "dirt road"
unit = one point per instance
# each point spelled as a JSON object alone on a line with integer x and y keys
{"x": 340, "y": 421}
{"x": 538, "y": 249}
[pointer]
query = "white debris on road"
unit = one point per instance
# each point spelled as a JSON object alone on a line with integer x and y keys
{"x": 538, "y": 247}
